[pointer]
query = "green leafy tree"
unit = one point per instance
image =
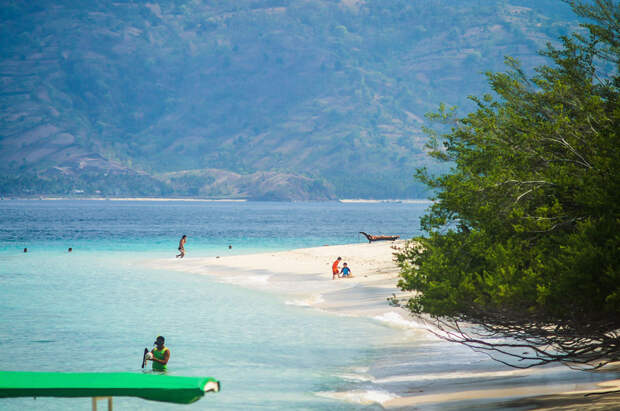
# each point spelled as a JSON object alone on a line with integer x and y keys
{"x": 522, "y": 254}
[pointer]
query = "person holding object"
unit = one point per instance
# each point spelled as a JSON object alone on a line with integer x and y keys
{"x": 159, "y": 355}
{"x": 182, "y": 246}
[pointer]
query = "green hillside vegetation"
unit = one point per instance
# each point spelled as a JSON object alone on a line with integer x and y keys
{"x": 112, "y": 97}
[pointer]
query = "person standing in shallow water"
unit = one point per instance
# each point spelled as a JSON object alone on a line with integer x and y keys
{"x": 159, "y": 355}
{"x": 182, "y": 247}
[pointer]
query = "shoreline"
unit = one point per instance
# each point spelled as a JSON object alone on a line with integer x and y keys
{"x": 303, "y": 278}
{"x": 51, "y": 198}
{"x": 209, "y": 200}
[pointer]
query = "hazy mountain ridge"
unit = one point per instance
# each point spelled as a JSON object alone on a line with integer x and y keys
{"x": 325, "y": 91}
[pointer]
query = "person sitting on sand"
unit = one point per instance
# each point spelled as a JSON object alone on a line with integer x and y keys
{"x": 346, "y": 271}
{"x": 182, "y": 246}
{"x": 335, "y": 269}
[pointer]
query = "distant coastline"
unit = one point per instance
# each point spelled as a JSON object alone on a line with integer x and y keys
{"x": 239, "y": 200}
{"x": 406, "y": 201}
{"x": 46, "y": 198}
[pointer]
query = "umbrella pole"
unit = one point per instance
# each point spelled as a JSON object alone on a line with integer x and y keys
{"x": 94, "y": 402}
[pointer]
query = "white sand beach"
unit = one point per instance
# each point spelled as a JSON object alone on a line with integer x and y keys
{"x": 303, "y": 277}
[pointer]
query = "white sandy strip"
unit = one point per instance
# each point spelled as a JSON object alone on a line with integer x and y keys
{"x": 304, "y": 277}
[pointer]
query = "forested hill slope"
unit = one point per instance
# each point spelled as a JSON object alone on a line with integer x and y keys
{"x": 274, "y": 99}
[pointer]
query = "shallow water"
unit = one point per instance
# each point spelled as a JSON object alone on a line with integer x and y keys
{"x": 96, "y": 308}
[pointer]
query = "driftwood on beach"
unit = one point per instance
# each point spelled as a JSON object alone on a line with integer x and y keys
{"x": 372, "y": 238}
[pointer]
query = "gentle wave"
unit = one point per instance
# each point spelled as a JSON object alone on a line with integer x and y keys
{"x": 247, "y": 280}
{"x": 453, "y": 376}
{"x": 362, "y": 377}
{"x": 394, "y": 319}
{"x": 365, "y": 397}
{"x": 357, "y": 377}
{"x": 307, "y": 302}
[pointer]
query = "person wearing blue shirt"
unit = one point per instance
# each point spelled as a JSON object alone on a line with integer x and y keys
{"x": 346, "y": 271}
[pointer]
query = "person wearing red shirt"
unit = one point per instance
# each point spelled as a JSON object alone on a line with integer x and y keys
{"x": 335, "y": 269}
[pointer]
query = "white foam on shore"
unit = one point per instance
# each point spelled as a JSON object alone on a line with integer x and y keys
{"x": 365, "y": 397}
{"x": 362, "y": 376}
{"x": 453, "y": 376}
{"x": 357, "y": 377}
{"x": 396, "y": 320}
{"x": 306, "y": 302}
{"x": 250, "y": 280}
{"x": 514, "y": 373}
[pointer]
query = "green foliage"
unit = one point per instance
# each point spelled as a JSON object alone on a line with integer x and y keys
{"x": 524, "y": 234}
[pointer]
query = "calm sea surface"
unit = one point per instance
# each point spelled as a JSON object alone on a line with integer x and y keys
{"x": 97, "y": 308}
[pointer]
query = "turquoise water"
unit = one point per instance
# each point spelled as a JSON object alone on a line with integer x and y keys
{"x": 97, "y": 313}
{"x": 156, "y": 226}
{"x": 95, "y": 309}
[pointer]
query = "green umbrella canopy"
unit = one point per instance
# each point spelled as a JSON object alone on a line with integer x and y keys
{"x": 156, "y": 387}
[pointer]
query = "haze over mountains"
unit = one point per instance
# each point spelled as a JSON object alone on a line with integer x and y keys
{"x": 274, "y": 99}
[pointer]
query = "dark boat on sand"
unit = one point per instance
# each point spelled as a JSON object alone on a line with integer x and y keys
{"x": 372, "y": 238}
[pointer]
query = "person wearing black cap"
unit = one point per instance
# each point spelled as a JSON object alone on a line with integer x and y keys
{"x": 160, "y": 355}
